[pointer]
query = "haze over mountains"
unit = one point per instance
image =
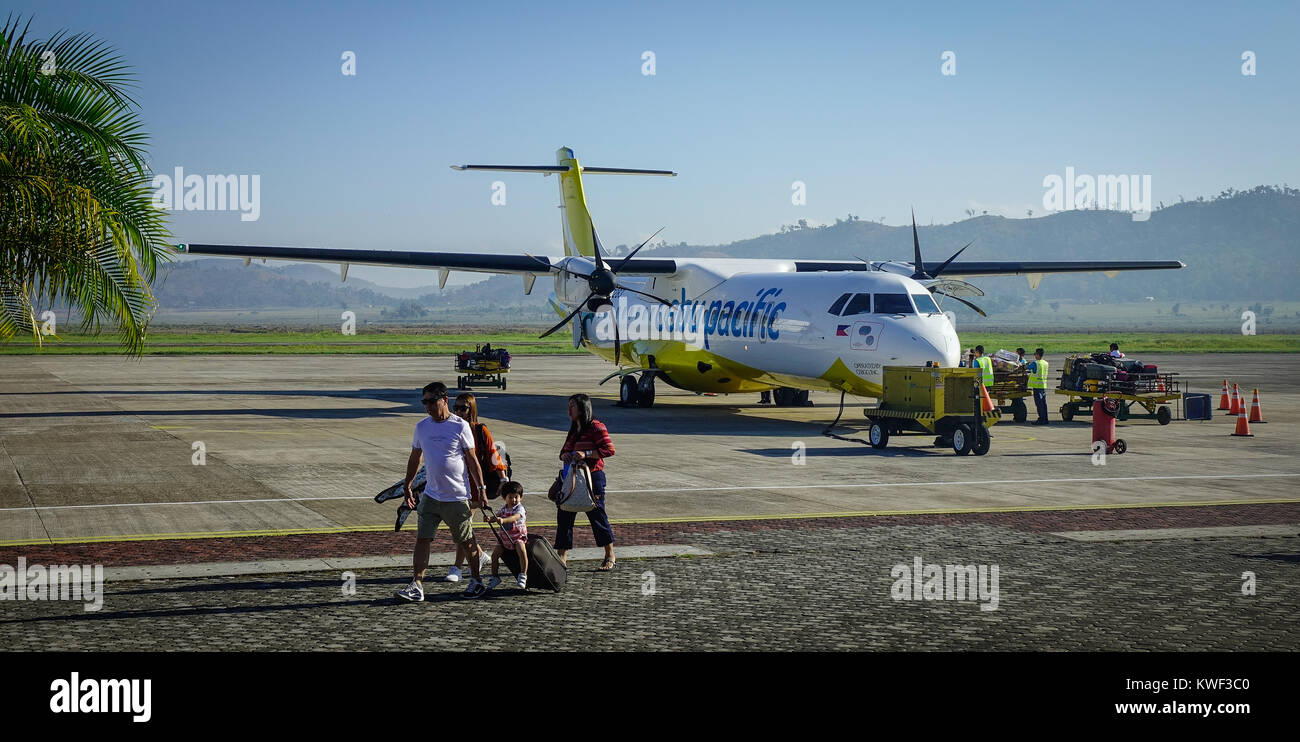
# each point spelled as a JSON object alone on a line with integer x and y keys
{"x": 1237, "y": 246}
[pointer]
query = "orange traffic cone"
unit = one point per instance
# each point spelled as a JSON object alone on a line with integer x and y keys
{"x": 986, "y": 404}
{"x": 1256, "y": 415}
{"x": 1236, "y": 402}
{"x": 1243, "y": 427}
{"x": 1223, "y": 398}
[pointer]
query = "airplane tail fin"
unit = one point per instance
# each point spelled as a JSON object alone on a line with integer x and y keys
{"x": 579, "y": 232}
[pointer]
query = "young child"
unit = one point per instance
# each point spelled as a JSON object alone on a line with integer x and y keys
{"x": 511, "y": 518}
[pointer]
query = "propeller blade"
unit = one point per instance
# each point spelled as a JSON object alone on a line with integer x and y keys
{"x": 963, "y": 301}
{"x": 918, "y": 264}
{"x": 623, "y": 262}
{"x": 565, "y": 321}
{"x": 939, "y": 270}
{"x": 665, "y": 302}
{"x": 618, "y": 345}
{"x": 595, "y": 240}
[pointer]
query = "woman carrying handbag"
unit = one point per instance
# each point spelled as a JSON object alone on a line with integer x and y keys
{"x": 588, "y": 443}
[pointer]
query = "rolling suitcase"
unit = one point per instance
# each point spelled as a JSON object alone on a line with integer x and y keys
{"x": 545, "y": 570}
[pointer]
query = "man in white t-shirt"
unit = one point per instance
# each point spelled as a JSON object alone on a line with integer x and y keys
{"x": 446, "y": 443}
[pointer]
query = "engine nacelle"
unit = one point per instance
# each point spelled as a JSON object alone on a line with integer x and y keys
{"x": 570, "y": 289}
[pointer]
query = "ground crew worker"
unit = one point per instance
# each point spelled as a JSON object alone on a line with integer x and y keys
{"x": 985, "y": 365}
{"x": 1038, "y": 383}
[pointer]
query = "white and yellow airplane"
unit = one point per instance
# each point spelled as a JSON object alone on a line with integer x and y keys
{"x": 723, "y": 325}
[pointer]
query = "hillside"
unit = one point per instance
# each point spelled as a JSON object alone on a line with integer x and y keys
{"x": 1239, "y": 247}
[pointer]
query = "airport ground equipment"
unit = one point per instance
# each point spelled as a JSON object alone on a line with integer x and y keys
{"x": 1150, "y": 390}
{"x": 923, "y": 400}
{"x": 486, "y": 366}
{"x": 1009, "y": 391}
{"x": 1104, "y": 412}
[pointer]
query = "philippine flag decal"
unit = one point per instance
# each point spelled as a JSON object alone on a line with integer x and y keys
{"x": 842, "y": 331}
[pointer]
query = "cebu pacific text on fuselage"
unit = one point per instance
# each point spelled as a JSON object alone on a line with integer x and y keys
{"x": 694, "y": 322}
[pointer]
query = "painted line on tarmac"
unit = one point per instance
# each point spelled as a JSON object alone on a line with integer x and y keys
{"x": 203, "y": 534}
{"x": 1167, "y": 534}
{"x": 811, "y": 485}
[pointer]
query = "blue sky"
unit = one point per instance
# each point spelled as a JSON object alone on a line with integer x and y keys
{"x": 747, "y": 98}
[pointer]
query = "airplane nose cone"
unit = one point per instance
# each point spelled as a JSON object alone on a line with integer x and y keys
{"x": 941, "y": 347}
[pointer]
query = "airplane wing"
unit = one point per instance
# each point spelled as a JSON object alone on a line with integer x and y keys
{"x": 481, "y": 263}
{"x": 1004, "y": 267}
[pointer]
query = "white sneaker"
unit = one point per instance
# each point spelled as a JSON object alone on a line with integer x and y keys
{"x": 493, "y": 581}
{"x": 412, "y": 592}
{"x": 453, "y": 574}
{"x": 522, "y": 582}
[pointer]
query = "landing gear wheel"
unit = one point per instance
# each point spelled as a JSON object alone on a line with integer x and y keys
{"x": 645, "y": 391}
{"x": 963, "y": 439}
{"x": 783, "y": 396}
{"x": 627, "y": 391}
{"x": 1163, "y": 416}
{"x": 1019, "y": 412}
{"x": 878, "y": 435}
{"x": 1119, "y": 447}
{"x": 1067, "y": 412}
{"x": 982, "y": 441}
{"x": 801, "y": 398}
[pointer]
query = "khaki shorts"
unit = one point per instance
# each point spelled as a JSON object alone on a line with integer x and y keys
{"x": 456, "y": 515}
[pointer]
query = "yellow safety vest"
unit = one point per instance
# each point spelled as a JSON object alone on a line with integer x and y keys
{"x": 1038, "y": 377}
{"x": 986, "y": 367}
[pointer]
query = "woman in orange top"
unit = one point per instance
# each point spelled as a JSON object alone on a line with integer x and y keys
{"x": 489, "y": 460}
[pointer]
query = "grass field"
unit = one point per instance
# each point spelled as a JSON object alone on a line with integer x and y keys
{"x": 412, "y": 341}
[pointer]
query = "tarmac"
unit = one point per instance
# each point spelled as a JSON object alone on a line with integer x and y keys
{"x": 186, "y": 475}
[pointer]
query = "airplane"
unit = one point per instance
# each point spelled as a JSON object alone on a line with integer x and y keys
{"x": 723, "y": 325}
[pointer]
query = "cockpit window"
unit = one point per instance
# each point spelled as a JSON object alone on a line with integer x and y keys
{"x": 893, "y": 304}
{"x": 859, "y": 304}
{"x": 925, "y": 304}
{"x": 839, "y": 304}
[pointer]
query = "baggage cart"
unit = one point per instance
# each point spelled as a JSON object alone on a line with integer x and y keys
{"x": 483, "y": 366}
{"x": 1152, "y": 392}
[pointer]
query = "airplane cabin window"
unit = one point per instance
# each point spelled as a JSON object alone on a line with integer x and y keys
{"x": 893, "y": 304}
{"x": 925, "y": 304}
{"x": 859, "y": 304}
{"x": 839, "y": 304}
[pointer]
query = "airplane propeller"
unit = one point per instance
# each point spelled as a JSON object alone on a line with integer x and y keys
{"x": 920, "y": 273}
{"x": 602, "y": 282}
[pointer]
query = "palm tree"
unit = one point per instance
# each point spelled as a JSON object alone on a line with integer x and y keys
{"x": 77, "y": 223}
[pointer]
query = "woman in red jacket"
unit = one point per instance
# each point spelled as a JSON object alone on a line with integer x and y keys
{"x": 588, "y": 441}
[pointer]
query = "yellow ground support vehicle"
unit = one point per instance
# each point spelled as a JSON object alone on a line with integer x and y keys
{"x": 944, "y": 402}
{"x": 485, "y": 366}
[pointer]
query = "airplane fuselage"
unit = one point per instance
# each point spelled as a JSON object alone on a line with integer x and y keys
{"x": 740, "y": 332}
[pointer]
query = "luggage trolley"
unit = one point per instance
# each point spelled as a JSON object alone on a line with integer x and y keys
{"x": 486, "y": 366}
{"x": 945, "y": 402}
{"x": 1014, "y": 386}
{"x": 1153, "y": 392}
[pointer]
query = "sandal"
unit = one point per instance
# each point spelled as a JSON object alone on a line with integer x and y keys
{"x": 603, "y": 568}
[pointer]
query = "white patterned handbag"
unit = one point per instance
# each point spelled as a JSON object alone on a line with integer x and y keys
{"x": 576, "y": 494}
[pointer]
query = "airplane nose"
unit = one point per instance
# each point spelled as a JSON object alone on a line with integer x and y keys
{"x": 941, "y": 347}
